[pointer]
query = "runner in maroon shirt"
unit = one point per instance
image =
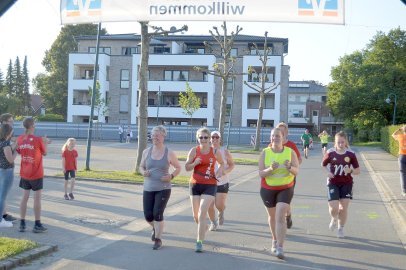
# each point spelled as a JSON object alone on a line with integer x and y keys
{"x": 340, "y": 164}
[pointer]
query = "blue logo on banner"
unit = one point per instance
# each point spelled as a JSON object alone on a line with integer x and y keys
{"x": 312, "y": 7}
{"x": 83, "y": 7}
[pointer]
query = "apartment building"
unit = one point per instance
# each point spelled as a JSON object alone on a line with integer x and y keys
{"x": 308, "y": 108}
{"x": 172, "y": 63}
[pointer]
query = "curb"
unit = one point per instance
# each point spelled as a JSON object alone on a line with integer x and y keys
{"x": 398, "y": 216}
{"x": 27, "y": 256}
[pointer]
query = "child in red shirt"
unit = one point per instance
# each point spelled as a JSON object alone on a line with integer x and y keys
{"x": 31, "y": 148}
{"x": 69, "y": 166}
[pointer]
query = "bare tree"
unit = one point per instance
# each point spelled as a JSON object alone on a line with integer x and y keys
{"x": 262, "y": 89}
{"x": 143, "y": 83}
{"x": 224, "y": 70}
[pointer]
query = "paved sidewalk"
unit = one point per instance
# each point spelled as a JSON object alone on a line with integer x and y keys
{"x": 384, "y": 170}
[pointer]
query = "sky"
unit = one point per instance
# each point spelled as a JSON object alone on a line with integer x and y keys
{"x": 30, "y": 27}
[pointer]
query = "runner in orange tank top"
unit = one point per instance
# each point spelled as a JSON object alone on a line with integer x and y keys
{"x": 203, "y": 183}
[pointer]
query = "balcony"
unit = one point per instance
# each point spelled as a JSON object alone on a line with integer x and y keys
{"x": 331, "y": 120}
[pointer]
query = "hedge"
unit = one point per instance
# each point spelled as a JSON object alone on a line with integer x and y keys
{"x": 388, "y": 143}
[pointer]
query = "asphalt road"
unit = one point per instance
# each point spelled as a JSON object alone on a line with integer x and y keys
{"x": 104, "y": 227}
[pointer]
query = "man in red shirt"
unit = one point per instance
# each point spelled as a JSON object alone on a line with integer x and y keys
{"x": 31, "y": 148}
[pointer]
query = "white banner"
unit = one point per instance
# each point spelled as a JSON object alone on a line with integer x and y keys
{"x": 307, "y": 11}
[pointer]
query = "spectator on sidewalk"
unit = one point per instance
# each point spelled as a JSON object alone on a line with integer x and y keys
{"x": 128, "y": 138}
{"x": 203, "y": 183}
{"x": 69, "y": 166}
{"x": 222, "y": 183}
{"x": 400, "y": 136}
{"x": 31, "y": 148}
{"x": 7, "y": 157}
{"x": 121, "y": 133}
{"x": 278, "y": 166}
{"x": 340, "y": 163}
{"x": 7, "y": 118}
{"x": 155, "y": 164}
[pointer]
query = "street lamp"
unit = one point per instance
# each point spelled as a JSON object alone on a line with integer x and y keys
{"x": 388, "y": 100}
{"x": 159, "y": 103}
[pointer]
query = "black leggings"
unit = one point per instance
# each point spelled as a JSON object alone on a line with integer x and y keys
{"x": 155, "y": 204}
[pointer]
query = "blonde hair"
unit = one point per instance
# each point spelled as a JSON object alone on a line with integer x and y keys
{"x": 159, "y": 129}
{"x": 283, "y": 125}
{"x": 202, "y": 130}
{"x": 341, "y": 134}
{"x": 66, "y": 145}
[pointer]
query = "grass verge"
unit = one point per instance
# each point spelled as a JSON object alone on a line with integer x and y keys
{"x": 10, "y": 247}
{"x": 368, "y": 144}
{"x": 122, "y": 176}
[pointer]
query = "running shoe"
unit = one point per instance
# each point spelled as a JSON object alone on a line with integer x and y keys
{"x": 221, "y": 218}
{"x": 199, "y": 246}
{"x": 158, "y": 244}
{"x": 39, "y": 229}
{"x": 71, "y": 196}
{"x": 213, "y": 226}
{"x": 153, "y": 234}
{"x": 8, "y": 217}
{"x": 22, "y": 227}
{"x": 289, "y": 222}
{"x": 274, "y": 246}
{"x": 340, "y": 232}
{"x": 5, "y": 224}
{"x": 333, "y": 224}
{"x": 279, "y": 253}
{"x": 66, "y": 197}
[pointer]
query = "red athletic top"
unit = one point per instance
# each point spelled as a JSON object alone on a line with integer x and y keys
{"x": 204, "y": 172}
{"x": 31, "y": 148}
{"x": 70, "y": 159}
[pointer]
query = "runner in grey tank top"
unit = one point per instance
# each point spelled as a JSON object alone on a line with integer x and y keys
{"x": 157, "y": 169}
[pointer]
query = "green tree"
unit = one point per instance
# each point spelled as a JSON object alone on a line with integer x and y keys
{"x": 262, "y": 89}
{"x": 2, "y": 82}
{"x": 53, "y": 85}
{"x": 364, "y": 79}
{"x": 26, "y": 86}
{"x": 189, "y": 102}
{"x": 9, "y": 79}
{"x": 100, "y": 103}
{"x": 224, "y": 69}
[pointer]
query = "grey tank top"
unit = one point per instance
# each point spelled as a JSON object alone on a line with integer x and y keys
{"x": 158, "y": 168}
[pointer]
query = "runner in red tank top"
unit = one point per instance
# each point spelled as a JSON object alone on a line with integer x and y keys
{"x": 203, "y": 184}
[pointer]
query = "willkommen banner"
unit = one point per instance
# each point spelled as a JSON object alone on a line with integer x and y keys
{"x": 307, "y": 11}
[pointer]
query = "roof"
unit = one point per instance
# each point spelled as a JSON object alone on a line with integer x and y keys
{"x": 306, "y": 87}
{"x": 187, "y": 38}
{"x": 36, "y": 102}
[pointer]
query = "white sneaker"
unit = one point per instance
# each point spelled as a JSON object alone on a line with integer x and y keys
{"x": 333, "y": 224}
{"x": 213, "y": 226}
{"x": 279, "y": 253}
{"x": 340, "y": 232}
{"x": 274, "y": 246}
{"x": 5, "y": 224}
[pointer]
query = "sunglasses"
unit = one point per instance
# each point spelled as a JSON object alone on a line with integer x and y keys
{"x": 203, "y": 137}
{"x": 215, "y": 137}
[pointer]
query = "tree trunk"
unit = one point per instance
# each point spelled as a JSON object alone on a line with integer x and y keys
{"x": 259, "y": 122}
{"x": 143, "y": 95}
{"x": 223, "y": 105}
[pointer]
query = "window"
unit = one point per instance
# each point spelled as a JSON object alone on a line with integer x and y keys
{"x": 123, "y": 104}
{"x": 107, "y": 98}
{"x": 234, "y": 52}
{"x": 204, "y": 76}
{"x": 253, "y": 101}
{"x": 162, "y": 50}
{"x": 125, "y": 78}
{"x": 261, "y": 49}
{"x": 176, "y": 75}
{"x": 106, "y": 50}
{"x": 89, "y": 74}
{"x": 129, "y": 50}
{"x": 315, "y": 113}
